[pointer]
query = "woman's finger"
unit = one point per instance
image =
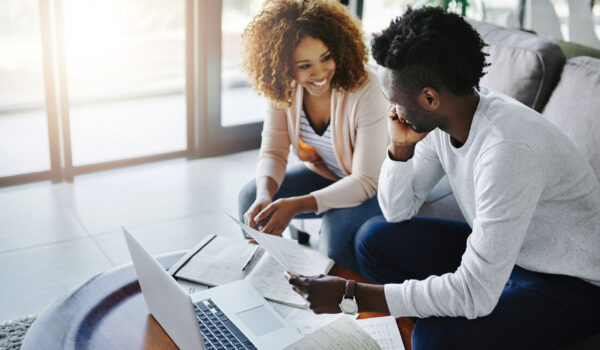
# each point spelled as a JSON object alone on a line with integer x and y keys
{"x": 273, "y": 227}
{"x": 265, "y": 213}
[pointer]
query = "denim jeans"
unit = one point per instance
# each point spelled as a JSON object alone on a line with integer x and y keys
{"x": 338, "y": 226}
{"x": 535, "y": 310}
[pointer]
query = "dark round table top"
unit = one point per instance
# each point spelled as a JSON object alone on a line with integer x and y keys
{"x": 108, "y": 312}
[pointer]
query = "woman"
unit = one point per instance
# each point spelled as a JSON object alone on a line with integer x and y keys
{"x": 309, "y": 59}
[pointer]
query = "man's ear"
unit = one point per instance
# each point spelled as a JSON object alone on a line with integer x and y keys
{"x": 429, "y": 99}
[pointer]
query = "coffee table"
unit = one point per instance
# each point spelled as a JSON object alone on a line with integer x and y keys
{"x": 108, "y": 312}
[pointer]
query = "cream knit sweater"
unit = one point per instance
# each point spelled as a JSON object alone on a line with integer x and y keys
{"x": 358, "y": 134}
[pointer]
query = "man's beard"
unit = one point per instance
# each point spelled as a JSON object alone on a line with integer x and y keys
{"x": 425, "y": 120}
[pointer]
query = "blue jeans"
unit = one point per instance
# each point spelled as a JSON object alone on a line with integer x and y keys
{"x": 535, "y": 310}
{"x": 338, "y": 226}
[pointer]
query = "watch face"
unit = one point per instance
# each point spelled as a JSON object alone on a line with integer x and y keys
{"x": 348, "y": 306}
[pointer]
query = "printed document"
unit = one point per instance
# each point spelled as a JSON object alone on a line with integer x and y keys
{"x": 218, "y": 260}
{"x": 286, "y": 251}
{"x": 341, "y": 334}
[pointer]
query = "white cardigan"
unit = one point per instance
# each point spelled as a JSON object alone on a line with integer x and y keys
{"x": 358, "y": 133}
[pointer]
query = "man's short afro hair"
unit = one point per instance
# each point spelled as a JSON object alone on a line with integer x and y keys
{"x": 431, "y": 47}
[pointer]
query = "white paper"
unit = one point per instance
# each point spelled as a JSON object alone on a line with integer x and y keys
{"x": 384, "y": 330}
{"x": 306, "y": 321}
{"x": 219, "y": 262}
{"x": 286, "y": 251}
{"x": 341, "y": 334}
{"x": 284, "y": 310}
{"x": 269, "y": 280}
{"x": 306, "y": 327}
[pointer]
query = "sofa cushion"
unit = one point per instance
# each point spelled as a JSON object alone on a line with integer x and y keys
{"x": 575, "y": 106}
{"x": 523, "y": 65}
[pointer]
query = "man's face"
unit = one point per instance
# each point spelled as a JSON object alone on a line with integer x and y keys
{"x": 407, "y": 106}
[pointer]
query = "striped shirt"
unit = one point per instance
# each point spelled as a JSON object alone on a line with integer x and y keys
{"x": 322, "y": 143}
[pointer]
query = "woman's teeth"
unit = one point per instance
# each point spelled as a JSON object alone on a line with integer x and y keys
{"x": 320, "y": 83}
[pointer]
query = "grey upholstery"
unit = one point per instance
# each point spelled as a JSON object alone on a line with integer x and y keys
{"x": 575, "y": 107}
{"x": 523, "y": 65}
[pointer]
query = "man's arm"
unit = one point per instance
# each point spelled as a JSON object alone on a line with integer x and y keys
{"x": 324, "y": 294}
{"x": 508, "y": 184}
{"x": 404, "y": 185}
{"x": 401, "y": 152}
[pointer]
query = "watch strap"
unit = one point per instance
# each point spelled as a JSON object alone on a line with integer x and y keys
{"x": 350, "y": 289}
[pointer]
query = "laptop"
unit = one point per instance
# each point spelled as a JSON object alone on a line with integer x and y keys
{"x": 230, "y": 316}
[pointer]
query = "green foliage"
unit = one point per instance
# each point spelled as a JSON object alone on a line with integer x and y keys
{"x": 457, "y": 6}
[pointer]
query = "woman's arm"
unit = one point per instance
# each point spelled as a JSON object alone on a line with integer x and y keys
{"x": 274, "y": 147}
{"x": 272, "y": 161}
{"x": 366, "y": 110}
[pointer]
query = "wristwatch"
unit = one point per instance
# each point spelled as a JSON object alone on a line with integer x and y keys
{"x": 348, "y": 304}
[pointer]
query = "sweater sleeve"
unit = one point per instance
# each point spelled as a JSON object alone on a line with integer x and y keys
{"x": 275, "y": 145}
{"x": 369, "y": 146}
{"x": 403, "y": 186}
{"x": 508, "y": 185}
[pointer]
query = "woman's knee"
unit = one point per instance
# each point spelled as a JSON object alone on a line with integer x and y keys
{"x": 247, "y": 196}
{"x": 333, "y": 236}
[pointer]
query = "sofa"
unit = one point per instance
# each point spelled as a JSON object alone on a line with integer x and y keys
{"x": 534, "y": 71}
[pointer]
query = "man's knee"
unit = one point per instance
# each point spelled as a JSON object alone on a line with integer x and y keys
{"x": 367, "y": 236}
{"x": 438, "y": 333}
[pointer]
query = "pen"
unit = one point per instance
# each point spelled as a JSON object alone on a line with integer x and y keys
{"x": 250, "y": 258}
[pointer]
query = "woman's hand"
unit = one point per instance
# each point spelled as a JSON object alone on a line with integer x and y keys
{"x": 282, "y": 211}
{"x": 256, "y": 207}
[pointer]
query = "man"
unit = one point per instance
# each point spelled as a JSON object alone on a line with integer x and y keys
{"x": 524, "y": 270}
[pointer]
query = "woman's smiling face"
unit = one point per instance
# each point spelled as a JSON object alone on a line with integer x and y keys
{"x": 314, "y": 66}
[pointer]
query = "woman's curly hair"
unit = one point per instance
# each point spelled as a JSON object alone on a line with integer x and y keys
{"x": 269, "y": 41}
{"x": 431, "y": 47}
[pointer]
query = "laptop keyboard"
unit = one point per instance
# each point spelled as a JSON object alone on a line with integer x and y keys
{"x": 217, "y": 329}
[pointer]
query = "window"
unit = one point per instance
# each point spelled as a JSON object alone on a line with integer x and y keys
{"x": 237, "y": 96}
{"x": 24, "y": 146}
{"x": 125, "y": 76}
{"x": 95, "y": 84}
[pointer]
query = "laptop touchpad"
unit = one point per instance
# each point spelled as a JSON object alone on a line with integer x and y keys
{"x": 260, "y": 320}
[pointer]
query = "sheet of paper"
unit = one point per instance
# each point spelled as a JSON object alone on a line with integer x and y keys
{"x": 384, "y": 330}
{"x": 341, "y": 334}
{"x": 294, "y": 314}
{"x": 306, "y": 327}
{"x": 219, "y": 262}
{"x": 284, "y": 310}
{"x": 306, "y": 321}
{"x": 286, "y": 251}
{"x": 268, "y": 279}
